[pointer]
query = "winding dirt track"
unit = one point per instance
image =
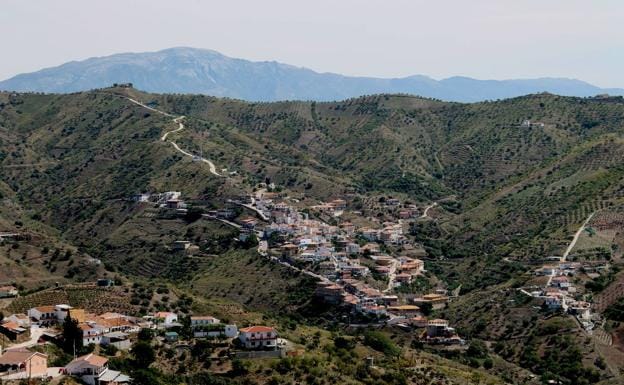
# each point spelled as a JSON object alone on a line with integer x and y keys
{"x": 178, "y": 121}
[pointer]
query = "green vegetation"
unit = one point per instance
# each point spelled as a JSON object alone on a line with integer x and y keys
{"x": 615, "y": 312}
{"x": 380, "y": 342}
{"x": 507, "y": 195}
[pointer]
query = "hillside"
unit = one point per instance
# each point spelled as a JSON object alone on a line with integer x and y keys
{"x": 198, "y": 71}
{"x": 70, "y": 159}
{"x": 511, "y": 180}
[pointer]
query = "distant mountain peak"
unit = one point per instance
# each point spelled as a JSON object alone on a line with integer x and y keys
{"x": 205, "y": 71}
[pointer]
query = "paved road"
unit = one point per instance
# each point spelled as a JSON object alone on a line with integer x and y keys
{"x": 250, "y": 207}
{"x": 392, "y": 275}
{"x": 178, "y": 120}
{"x": 229, "y": 223}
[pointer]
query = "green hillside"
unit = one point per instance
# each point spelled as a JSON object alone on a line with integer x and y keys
{"x": 509, "y": 195}
{"x": 69, "y": 159}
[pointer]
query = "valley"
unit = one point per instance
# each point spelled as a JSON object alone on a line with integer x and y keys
{"x": 387, "y": 238}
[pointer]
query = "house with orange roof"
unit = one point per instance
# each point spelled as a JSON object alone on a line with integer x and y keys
{"x": 33, "y": 364}
{"x": 403, "y": 279}
{"x": 43, "y": 314}
{"x": 418, "y": 321}
{"x": 407, "y": 311}
{"x": 14, "y": 331}
{"x": 166, "y": 317}
{"x": 258, "y": 337}
{"x": 21, "y": 319}
{"x": 91, "y": 333}
{"x": 8, "y": 291}
{"x": 93, "y": 370}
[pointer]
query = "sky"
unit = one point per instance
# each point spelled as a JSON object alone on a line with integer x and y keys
{"x": 485, "y": 39}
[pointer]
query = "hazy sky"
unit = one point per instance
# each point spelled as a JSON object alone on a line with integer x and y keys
{"x": 486, "y": 39}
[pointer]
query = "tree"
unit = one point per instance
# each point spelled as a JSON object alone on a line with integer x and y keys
{"x": 477, "y": 349}
{"x": 145, "y": 377}
{"x": 381, "y": 343}
{"x": 143, "y": 354}
{"x": 240, "y": 367}
{"x": 145, "y": 335}
{"x": 426, "y": 308}
{"x": 251, "y": 241}
{"x": 186, "y": 330}
{"x": 72, "y": 336}
{"x": 193, "y": 214}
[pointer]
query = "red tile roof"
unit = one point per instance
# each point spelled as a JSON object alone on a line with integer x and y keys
{"x": 257, "y": 329}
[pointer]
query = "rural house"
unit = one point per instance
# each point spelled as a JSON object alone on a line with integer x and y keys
{"x": 258, "y": 337}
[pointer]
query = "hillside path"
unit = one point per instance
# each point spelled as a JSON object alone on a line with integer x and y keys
{"x": 572, "y": 244}
{"x": 178, "y": 120}
{"x": 576, "y": 237}
{"x": 424, "y": 214}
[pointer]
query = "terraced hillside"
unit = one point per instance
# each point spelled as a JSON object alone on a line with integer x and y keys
{"x": 93, "y": 299}
{"x": 69, "y": 160}
{"x": 508, "y": 194}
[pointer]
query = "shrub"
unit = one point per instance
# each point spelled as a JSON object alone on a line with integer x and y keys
{"x": 381, "y": 343}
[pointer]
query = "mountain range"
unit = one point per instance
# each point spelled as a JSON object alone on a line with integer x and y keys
{"x": 201, "y": 71}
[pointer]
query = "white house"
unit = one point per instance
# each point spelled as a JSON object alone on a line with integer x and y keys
{"x": 553, "y": 302}
{"x": 61, "y": 311}
{"x": 91, "y": 334}
{"x": 93, "y": 369}
{"x": 215, "y": 330}
{"x": 8, "y": 291}
{"x": 168, "y": 318}
{"x": 42, "y": 314}
{"x": 203, "y": 320}
{"x": 257, "y": 337}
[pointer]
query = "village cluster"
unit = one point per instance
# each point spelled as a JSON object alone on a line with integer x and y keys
{"x": 559, "y": 292}
{"x": 344, "y": 256}
{"x": 20, "y": 334}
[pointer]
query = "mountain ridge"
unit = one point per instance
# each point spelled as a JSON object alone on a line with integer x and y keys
{"x": 208, "y": 72}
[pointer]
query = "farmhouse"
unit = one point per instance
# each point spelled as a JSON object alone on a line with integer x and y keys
{"x": 21, "y": 319}
{"x": 258, "y": 337}
{"x": 14, "y": 332}
{"x": 45, "y": 315}
{"x": 91, "y": 334}
{"x": 8, "y": 291}
{"x": 166, "y": 317}
{"x": 93, "y": 369}
{"x": 203, "y": 320}
{"x": 33, "y": 364}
